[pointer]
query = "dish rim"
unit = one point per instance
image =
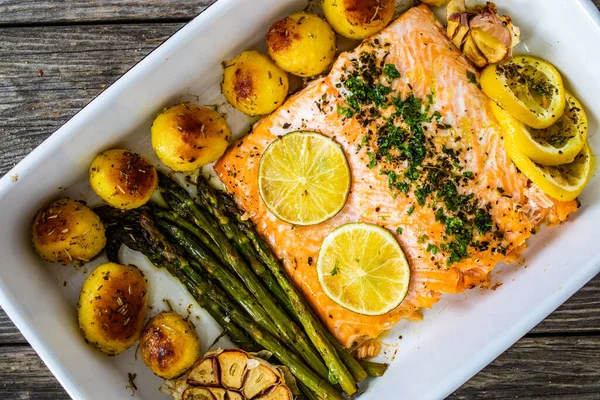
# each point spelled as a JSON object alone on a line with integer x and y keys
{"x": 503, "y": 341}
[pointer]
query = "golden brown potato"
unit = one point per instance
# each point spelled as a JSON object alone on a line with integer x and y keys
{"x": 67, "y": 232}
{"x": 122, "y": 178}
{"x": 112, "y": 306}
{"x": 186, "y": 136}
{"x": 169, "y": 345}
{"x": 253, "y": 84}
{"x": 302, "y": 44}
{"x": 358, "y": 19}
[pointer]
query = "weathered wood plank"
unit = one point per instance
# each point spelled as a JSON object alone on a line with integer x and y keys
{"x": 43, "y": 12}
{"x": 9, "y": 334}
{"x": 579, "y": 315}
{"x": 36, "y": 12}
{"x": 24, "y": 376}
{"x": 48, "y": 74}
{"x": 549, "y": 368}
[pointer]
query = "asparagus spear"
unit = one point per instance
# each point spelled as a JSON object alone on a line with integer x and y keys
{"x": 224, "y": 209}
{"x": 233, "y": 286}
{"x": 373, "y": 368}
{"x": 191, "y": 278}
{"x": 347, "y": 371}
{"x": 193, "y": 229}
{"x": 178, "y": 198}
{"x": 130, "y": 236}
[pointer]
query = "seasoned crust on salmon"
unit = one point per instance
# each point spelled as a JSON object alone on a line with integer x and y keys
{"x": 426, "y": 90}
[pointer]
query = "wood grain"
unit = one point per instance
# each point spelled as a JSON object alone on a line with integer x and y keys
{"x": 48, "y": 73}
{"x": 46, "y": 12}
{"x": 548, "y": 368}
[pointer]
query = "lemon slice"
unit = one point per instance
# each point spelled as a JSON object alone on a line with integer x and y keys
{"x": 362, "y": 268}
{"x": 304, "y": 178}
{"x": 562, "y": 182}
{"x": 556, "y": 145}
{"x": 530, "y": 89}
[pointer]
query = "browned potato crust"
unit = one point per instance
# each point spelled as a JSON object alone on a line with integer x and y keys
{"x": 169, "y": 345}
{"x": 112, "y": 306}
{"x": 253, "y": 84}
{"x": 68, "y": 232}
{"x": 358, "y": 19}
{"x": 123, "y": 178}
{"x": 186, "y": 136}
{"x": 302, "y": 44}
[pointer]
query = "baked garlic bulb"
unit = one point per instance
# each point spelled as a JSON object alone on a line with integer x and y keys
{"x": 480, "y": 33}
{"x": 230, "y": 374}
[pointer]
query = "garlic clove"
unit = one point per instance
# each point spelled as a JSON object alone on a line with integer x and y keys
{"x": 489, "y": 45}
{"x": 473, "y": 53}
{"x": 460, "y": 26}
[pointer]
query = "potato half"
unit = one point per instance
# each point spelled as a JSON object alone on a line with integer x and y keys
{"x": 302, "y": 44}
{"x": 67, "y": 232}
{"x": 169, "y": 345}
{"x": 186, "y": 136}
{"x": 112, "y": 306}
{"x": 358, "y": 19}
{"x": 122, "y": 178}
{"x": 253, "y": 84}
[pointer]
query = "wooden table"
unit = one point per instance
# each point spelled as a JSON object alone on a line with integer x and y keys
{"x": 56, "y": 56}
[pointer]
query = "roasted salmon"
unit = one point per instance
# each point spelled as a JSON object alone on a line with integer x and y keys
{"x": 427, "y": 163}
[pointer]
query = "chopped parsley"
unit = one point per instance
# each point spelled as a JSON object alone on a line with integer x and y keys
{"x": 402, "y": 144}
{"x": 345, "y": 111}
{"x": 391, "y": 72}
{"x": 472, "y": 77}
{"x": 432, "y": 248}
{"x": 399, "y": 230}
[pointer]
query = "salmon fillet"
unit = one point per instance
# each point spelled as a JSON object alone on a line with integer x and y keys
{"x": 460, "y": 135}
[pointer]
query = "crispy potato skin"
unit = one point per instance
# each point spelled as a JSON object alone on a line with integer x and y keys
{"x": 112, "y": 306}
{"x": 186, "y": 136}
{"x": 122, "y": 178}
{"x": 169, "y": 345}
{"x": 67, "y": 232}
{"x": 358, "y": 19}
{"x": 253, "y": 84}
{"x": 302, "y": 44}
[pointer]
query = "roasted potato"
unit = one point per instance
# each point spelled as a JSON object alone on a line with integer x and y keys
{"x": 112, "y": 306}
{"x": 122, "y": 178}
{"x": 358, "y": 19}
{"x": 253, "y": 84}
{"x": 186, "y": 136}
{"x": 169, "y": 345}
{"x": 302, "y": 44}
{"x": 67, "y": 232}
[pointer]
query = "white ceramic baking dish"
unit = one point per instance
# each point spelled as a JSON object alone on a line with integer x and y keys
{"x": 458, "y": 337}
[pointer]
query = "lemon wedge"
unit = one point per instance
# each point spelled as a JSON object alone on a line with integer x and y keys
{"x": 304, "y": 178}
{"x": 362, "y": 268}
{"x": 556, "y": 145}
{"x": 529, "y": 88}
{"x": 562, "y": 182}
